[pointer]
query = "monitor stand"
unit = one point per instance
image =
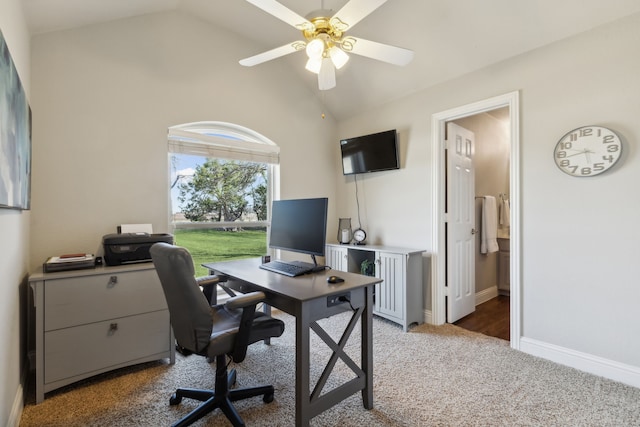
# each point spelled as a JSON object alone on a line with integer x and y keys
{"x": 314, "y": 268}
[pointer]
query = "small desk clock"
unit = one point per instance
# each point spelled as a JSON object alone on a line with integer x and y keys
{"x": 359, "y": 236}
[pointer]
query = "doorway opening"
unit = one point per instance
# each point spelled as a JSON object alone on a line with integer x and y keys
{"x": 487, "y": 309}
{"x": 439, "y": 291}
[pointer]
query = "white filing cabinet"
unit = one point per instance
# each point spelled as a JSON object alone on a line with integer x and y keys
{"x": 399, "y": 297}
{"x": 96, "y": 320}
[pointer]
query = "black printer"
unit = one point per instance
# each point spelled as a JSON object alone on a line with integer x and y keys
{"x": 127, "y": 248}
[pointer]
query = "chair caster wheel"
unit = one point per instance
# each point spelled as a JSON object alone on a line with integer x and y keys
{"x": 268, "y": 398}
{"x": 175, "y": 399}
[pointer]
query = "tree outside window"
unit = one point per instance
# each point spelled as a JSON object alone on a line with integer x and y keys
{"x": 225, "y": 191}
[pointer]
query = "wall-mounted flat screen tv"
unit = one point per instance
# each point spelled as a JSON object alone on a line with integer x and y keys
{"x": 370, "y": 153}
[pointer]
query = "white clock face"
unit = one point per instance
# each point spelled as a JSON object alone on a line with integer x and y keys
{"x": 359, "y": 235}
{"x": 587, "y": 151}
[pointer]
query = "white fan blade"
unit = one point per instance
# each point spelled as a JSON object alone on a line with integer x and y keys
{"x": 382, "y": 52}
{"x": 283, "y": 13}
{"x": 353, "y": 12}
{"x": 273, "y": 54}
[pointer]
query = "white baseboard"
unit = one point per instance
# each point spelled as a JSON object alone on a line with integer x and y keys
{"x": 616, "y": 371}
{"x": 595, "y": 365}
{"x": 486, "y": 295}
{"x": 482, "y": 296}
{"x": 18, "y": 401}
{"x": 16, "y": 408}
{"x": 428, "y": 317}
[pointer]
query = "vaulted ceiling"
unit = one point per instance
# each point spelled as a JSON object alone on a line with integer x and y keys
{"x": 449, "y": 37}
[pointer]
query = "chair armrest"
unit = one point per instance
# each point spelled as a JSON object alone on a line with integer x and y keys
{"x": 208, "y": 285}
{"x": 244, "y": 300}
{"x": 207, "y": 280}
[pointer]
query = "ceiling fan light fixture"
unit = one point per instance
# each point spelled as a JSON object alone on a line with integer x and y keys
{"x": 338, "y": 57}
{"x": 327, "y": 75}
{"x": 314, "y": 64}
{"x": 325, "y": 42}
{"x": 315, "y": 48}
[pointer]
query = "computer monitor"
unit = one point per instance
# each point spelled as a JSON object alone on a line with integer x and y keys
{"x": 299, "y": 225}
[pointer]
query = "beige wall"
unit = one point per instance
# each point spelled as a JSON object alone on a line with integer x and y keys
{"x": 579, "y": 235}
{"x": 14, "y": 229}
{"x": 104, "y": 97}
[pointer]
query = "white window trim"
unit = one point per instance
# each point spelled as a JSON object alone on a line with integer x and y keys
{"x": 222, "y": 140}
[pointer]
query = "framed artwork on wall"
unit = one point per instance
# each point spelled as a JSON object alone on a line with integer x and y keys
{"x": 15, "y": 136}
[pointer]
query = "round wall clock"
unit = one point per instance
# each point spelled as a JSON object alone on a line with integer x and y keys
{"x": 587, "y": 151}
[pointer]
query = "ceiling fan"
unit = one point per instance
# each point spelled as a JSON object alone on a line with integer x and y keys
{"x": 325, "y": 42}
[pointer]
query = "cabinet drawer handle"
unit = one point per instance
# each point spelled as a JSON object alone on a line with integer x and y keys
{"x": 112, "y": 281}
{"x": 113, "y": 327}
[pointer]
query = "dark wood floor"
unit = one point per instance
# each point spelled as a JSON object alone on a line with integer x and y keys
{"x": 490, "y": 318}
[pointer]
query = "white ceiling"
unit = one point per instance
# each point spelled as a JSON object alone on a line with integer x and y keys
{"x": 449, "y": 37}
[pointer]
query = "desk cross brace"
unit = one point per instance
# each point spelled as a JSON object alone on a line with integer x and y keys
{"x": 338, "y": 352}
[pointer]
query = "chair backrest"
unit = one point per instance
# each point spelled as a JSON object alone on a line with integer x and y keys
{"x": 190, "y": 312}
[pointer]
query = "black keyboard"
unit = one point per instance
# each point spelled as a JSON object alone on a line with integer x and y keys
{"x": 291, "y": 270}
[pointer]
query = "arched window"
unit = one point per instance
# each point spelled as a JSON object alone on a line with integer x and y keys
{"x": 223, "y": 178}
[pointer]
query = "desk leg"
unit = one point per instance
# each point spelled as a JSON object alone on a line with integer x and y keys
{"x": 367, "y": 348}
{"x": 266, "y": 309}
{"x": 303, "y": 333}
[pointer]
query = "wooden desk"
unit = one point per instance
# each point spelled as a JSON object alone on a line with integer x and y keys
{"x": 306, "y": 297}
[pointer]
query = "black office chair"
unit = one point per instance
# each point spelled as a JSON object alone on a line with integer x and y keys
{"x": 211, "y": 331}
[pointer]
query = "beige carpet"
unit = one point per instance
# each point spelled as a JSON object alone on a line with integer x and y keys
{"x": 430, "y": 376}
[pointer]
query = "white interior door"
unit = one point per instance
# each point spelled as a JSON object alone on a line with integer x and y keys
{"x": 460, "y": 223}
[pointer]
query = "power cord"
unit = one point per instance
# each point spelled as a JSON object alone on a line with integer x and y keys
{"x": 355, "y": 180}
{"x": 345, "y": 298}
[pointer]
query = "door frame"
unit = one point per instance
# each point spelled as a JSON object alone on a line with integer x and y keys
{"x": 438, "y": 192}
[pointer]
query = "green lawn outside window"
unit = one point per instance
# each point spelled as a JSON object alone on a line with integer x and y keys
{"x": 221, "y": 245}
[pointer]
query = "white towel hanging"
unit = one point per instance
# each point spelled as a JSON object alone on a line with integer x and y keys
{"x": 505, "y": 213}
{"x": 489, "y": 231}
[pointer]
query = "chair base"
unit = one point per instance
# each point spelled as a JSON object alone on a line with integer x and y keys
{"x": 222, "y": 399}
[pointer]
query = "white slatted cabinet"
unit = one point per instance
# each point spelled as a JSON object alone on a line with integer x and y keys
{"x": 399, "y": 297}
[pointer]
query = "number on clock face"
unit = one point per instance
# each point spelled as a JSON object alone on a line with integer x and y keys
{"x": 588, "y": 151}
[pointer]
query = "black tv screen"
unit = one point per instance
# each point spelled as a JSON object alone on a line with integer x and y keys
{"x": 299, "y": 225}
{"x": 370, "y": 153}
